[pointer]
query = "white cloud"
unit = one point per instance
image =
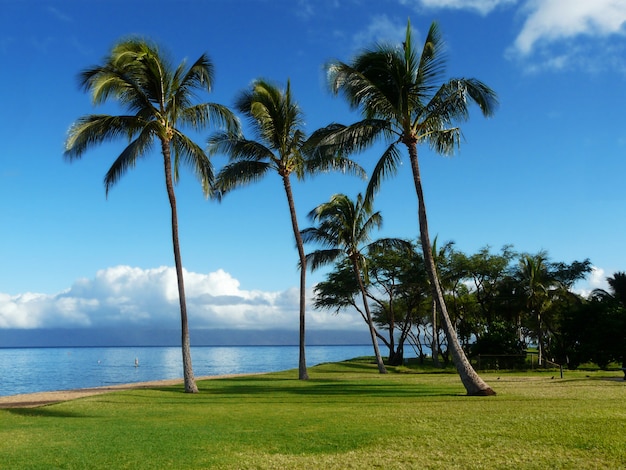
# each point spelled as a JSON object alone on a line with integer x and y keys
{"x": 596, "y": 280}
{"x": 551, "y": 21}
{"x": 380, "y": 30}
{"x": 58, "y": 14}
{"x": 556, "y": 34}
{"x": 480, "y": 6}
{"x": 123, "y": 296}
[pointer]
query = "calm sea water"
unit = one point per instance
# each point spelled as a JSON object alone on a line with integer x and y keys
{"x": 28, "y": 370}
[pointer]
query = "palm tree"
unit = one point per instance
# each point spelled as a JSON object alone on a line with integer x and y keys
{"x": 159, "y": 100}
{"x": 281, "y": 146}
{"x": 617, "y": 283}
{"x": 536, "y": 286}
{"x": 399, "y": 94}
{"x": 343, "y": 229}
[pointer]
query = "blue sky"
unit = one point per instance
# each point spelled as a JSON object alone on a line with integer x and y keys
{"x": 545, "y": 172}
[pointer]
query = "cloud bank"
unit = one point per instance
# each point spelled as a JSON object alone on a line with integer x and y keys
{"x": 124, "y": 296}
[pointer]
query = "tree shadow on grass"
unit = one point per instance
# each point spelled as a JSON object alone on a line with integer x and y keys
{"x": 47, "y": 411}
{"x": 268, "y": 387}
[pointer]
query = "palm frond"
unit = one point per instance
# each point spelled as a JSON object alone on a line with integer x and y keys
{"x": 240, "y": 173}
{"x": 91, "y": 130}
{"x": 320, "y": 235}
{"x": 366, "y": 225}
{"x": 126, "y": 77}
{"x": 319, "y": 258}
{"x": 386, "y": 166}
{"x": 204, "y": 114}
{"x": 482, "y": 95}
{"x": 238, "y": 148}
{"x": 370, "y": 84}
{"x": 431, "y": 66}
{"x": 199, "y": 76}
{"x": 194, "y": 157}
{"x": 383, "y": 244}
{"x": 128, "y": 158}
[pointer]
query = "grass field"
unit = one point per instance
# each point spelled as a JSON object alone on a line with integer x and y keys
{"x": 346, "y": 416}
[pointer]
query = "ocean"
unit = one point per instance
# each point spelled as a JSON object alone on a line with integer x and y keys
{"x": 29, "y": 370}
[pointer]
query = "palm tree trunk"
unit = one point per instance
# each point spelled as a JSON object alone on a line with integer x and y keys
{"x": 539, "y": 339}
{"x": 472, "y": 382}
{"x": 190, "y": 381}
{"x": 434, "y": 347}
{"x": 379, "y": 360}
{"x": 302, "y": 372}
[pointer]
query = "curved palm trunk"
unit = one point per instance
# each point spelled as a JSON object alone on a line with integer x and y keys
{"x": 190, "y": 381}
{"x": 379, "y": 360}
{"x": 472, "y": 382}
{"x": 302, "y": 372}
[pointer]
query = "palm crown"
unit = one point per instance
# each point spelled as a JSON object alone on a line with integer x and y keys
{"x": 344, "y": 227}
{"x": 400, "y": 95}
{"x": 159, "y": 100}
{"x": 281, "y": 144}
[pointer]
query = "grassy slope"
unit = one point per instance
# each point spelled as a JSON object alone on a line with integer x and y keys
{"x": 346, "y": 416}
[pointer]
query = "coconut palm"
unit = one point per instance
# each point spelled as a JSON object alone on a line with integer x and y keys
{"x": 401, "y": 98}
{"x": 536, "y": 285}
{"x": 281, "y": 146}
{"x": 617, "y": 283}
{"x": 343, "y": 229}
{"x": 159, "y": 101}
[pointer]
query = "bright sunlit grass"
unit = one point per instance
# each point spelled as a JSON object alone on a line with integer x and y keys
{"x": 346, "y": 416}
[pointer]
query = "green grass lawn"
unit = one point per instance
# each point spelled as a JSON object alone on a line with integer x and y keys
{"x": 346, "y": 416}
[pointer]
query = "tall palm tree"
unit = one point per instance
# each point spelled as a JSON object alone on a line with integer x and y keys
{"x": 536, "y": 284}
{"x": 159, "y": 101}
{"x": 399, "y": 94}
{"x": 343, "y": 229}
{"x": 281, "y": 146}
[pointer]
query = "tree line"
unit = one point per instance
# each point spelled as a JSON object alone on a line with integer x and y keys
{"x": 501, "y": 303}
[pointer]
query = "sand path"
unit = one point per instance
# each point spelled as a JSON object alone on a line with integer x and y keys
{"x": 31, "y": 400}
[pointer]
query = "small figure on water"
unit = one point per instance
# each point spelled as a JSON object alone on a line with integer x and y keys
{"x": 136, "y": 362}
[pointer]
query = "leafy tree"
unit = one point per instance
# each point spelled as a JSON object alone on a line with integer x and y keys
{"x": 544, "y": 286}
{"x": 441, "y": 256}
{"x": 486, "y": 271}
{"x": 281, "y": 146}
{"x": 159, "y": 101}
{"x": 339, "y": 290}
{"x": 402, "y": 100}
{"x": 399, "y": 286}
{"x": 501, "y": 340}
{"x": 392, "y": 288}
{"x": 608, "y": 336}
{"x": 343, "y": 230}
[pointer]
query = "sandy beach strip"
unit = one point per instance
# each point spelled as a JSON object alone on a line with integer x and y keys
{"x": 32, "y": 400}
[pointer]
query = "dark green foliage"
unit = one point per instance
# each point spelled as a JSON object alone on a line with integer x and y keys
{"x": 501, "y": 346}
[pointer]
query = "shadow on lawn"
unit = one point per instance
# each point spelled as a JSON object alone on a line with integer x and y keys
{"x": 329, "y": 385}
{"x": 44, "y": 412}
{"x": 327, "y": 388}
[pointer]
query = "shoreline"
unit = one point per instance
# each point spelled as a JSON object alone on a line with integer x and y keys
{"x": 36, "y": 399}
